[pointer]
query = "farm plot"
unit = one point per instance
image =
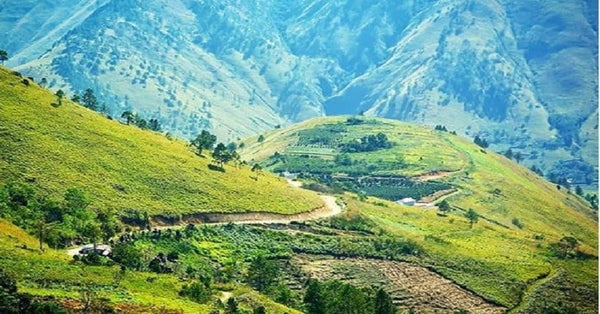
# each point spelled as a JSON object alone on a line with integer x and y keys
{"x": 411, "y": 287}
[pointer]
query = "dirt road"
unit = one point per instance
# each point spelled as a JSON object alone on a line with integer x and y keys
{"x": 330, "y": 208}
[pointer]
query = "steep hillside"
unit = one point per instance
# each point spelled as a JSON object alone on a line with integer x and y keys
{"x": 506, "y": 256}
{"x": 520, "y": 73}
{"x": 121, "y": 167}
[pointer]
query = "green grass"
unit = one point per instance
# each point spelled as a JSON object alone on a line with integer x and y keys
{"x": 53, "y": 274}
{"x": 120, "y": 166}
{"x": 421, "y": 149}
{"x": 496, "y": 259}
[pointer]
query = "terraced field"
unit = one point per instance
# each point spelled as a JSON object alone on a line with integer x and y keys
{"x": 412, "y": 287}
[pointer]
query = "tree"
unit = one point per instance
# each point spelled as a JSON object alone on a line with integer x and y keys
{"x": 232, "y": 306}
{"x": 42, "y": 227}
{"x": 347, "y": 299}
{"x": 362, "y": 196}
{"x": 9, "y": 301}
{"x": 261, "y": 138}
{"x": 262, "y": 273}
{"x": 221, "y": 154}
{"x": 537, "y": 170}
{"x": 509, "y": 154}
{"x": 256, "y": 168}
{"x": 88, "y": 99}
{"x": 444, "y": 206}
{"x": 92, "y": 231}
{"x": 472, "y": 216}
{"x": 140, "y": 122}
{"x": 154, "y": 125}
{"x": 383, "y": 303}
{"x": 197, "y": 292}
{"x": 203, "y": 141}
{"x": 3, "y": 56}
{"x": 103, "y": 108}
{"x": 76, "y": 201}
{"x": 128, "y": 255}
{"x": 480, "y": 141}
{"x": 313, "y": 298}
{"x": 60, "y": 95}
{"x": 231, "y": 147}
{"x": 259, "y": 310}
{"x": 128, "y": 116}
{"x": 518, "y": 157}
{"x": 579, "y": 190}
{"x": 76, "y": 98}
{"x": 236, "y": 158}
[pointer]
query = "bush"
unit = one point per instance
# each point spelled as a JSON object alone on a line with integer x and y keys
{"x": 197, "y": 292}
{"x": 518, "y": 223}
{"x": 355, "y": 223}
{"x": 128, "y": 255}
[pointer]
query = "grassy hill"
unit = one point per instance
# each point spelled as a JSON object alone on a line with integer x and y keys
{"x": 120, "y": 166}
{"x": 508, "y": 256}
{"x": 52, "y": 275}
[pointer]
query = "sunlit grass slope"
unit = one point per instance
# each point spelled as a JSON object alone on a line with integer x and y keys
{"x": 495, "y": 258}
{"x": 120, "y": 166}
{"x": 422, "y": 151}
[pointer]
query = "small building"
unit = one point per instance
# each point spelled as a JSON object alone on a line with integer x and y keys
{"x": 407, "y": 201}
{"x": 101, "y": 249}
{"x": 289, "y": 175}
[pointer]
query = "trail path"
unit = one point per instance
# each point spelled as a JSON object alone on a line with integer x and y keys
{"x": 330, "y": 208}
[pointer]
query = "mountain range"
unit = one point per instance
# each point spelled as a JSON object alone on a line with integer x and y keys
{"x": 521, "y": 74}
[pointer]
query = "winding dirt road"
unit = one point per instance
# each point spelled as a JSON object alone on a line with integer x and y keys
{"x": 330, "y": 208}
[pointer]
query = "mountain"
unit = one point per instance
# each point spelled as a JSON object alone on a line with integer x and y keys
{"x": 505, "y": 257}
{"x": 122, "y": 167}
{"x": 505, "y": 239}
{"x": 521, "y": 74}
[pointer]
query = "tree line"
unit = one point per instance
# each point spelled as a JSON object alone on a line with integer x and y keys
{"x": 59, "y": 223}
{"x": 220, "y": 153}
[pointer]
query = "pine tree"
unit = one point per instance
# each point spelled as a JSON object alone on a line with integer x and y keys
{"x": 383, "y": 303}
{"x": 3, "y": 56}
{"x": 313, "y": 298}
{"x": 472, "y": 216}
{"x": 203, "y": 141}
{"x": 128, "y": 116}
{"x": 88, "y": 99}
{"x": 221, "y": 154}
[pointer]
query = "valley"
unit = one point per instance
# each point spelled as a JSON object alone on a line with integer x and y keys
{"x": 341, "y": 214}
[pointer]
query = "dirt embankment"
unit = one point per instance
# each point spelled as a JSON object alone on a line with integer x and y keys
{"x": 435, "y": 196}
{"x": 434, "y": 175}
{"x": 329, "y": 208}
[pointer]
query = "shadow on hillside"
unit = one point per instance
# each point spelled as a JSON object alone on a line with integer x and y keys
{"x": 216, "y": 168}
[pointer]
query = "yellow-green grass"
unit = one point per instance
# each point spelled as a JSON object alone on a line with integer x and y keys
{"x": 504, "y": 258}
{"x": 53, "y": 274}
{"x": 498, "y": 189}
{"x": 420, "y": 148}
{"x": 123, "y": 167}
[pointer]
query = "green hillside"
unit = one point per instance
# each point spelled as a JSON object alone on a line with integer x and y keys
{"x": 509, "y": 255}
{"x": 120, "y": 166}
{"x": 52, "y": 276}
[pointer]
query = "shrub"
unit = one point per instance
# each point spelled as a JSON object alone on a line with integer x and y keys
{"x": 197, "y": 292}
{"x": 518, "y": 223}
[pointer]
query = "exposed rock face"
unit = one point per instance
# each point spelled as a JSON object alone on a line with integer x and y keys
{"x": 522, "y": 74}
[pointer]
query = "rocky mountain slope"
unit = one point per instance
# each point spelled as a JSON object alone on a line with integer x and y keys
{"x": 522, "y": 74}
